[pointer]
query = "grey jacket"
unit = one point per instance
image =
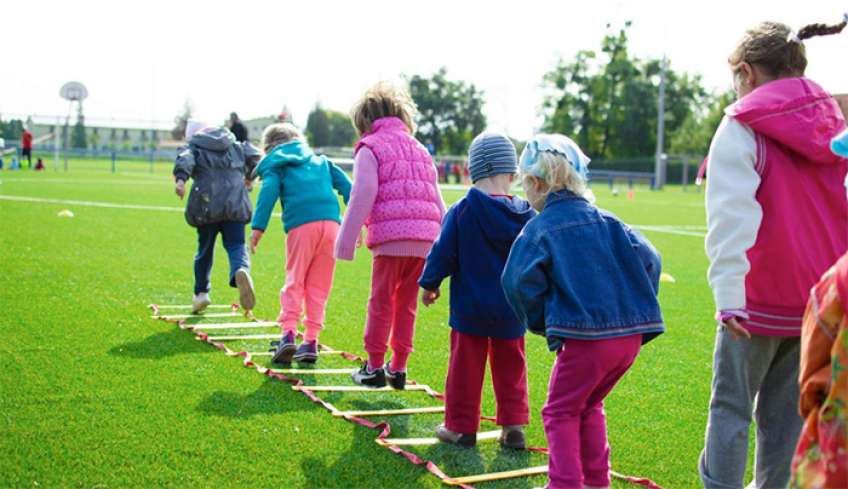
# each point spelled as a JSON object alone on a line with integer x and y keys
{"x": 218, "y": 166}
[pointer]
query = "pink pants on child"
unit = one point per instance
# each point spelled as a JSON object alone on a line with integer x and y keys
{"x": 573, "y": 416}
{"x": 309, "y": 276}
{"x": 464, "y": 384}
{"x": 391, "y": 309}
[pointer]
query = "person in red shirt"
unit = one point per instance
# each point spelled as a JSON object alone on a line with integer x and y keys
{"x": 26, "y": 146}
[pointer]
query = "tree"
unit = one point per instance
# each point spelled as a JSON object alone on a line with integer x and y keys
{"x": 318, "y": 127}
{"x": 450, "y": 113}
{"x": 78, "y": 138}
{"x": 608, "y": 102}
{"x": 180, "y": 121}
{"x": 94, "y": 138}
{"x": 696, "y": 132}
{"x": 342, "y": 133}
{"x": 11, "y": 130}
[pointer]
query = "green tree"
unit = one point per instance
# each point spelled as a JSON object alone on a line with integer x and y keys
{"x": 696, "y": 133}
{"x": 342, "y": 133}
{"x": 94, "y": 138}
{"x": 78, "y": 138}
{"x": 180, "y": 121}
{"x": 318, "y": 127}
{"x": 607, "y": 101}
{"x": 450, "y": 113}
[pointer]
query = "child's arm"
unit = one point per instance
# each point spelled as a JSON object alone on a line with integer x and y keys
{"x": 183, "y": 169}
{"x": 268, "y": 195}
{"x": 733, "y": 213}
{"x": 362, "y": 197}
{"x": 442, "y": 259}
{"x": 340, "y": 181}
{"x": 525, "y": 283}
{"x": 252, "y": 156}
{"x": 649, "y": 255}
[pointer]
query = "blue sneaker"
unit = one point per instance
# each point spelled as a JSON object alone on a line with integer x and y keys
{"x": 307, "y": 352}
{"x": 285, "y": 350}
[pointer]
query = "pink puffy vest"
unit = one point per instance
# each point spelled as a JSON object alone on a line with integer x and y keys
{"x": 805, "y": 212}
{"x": 407, "y": 204}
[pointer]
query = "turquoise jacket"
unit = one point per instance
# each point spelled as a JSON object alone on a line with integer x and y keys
{"x": 304, "y": 183}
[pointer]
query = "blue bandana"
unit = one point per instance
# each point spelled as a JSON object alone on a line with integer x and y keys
{"x": 839, "y": 145}
{"x": 552, "y": 143}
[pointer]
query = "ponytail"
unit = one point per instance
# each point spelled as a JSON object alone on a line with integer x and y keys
{"x": 814, "y": 30}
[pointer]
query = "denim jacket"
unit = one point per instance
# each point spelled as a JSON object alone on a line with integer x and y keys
{"x": 578, "y": 272}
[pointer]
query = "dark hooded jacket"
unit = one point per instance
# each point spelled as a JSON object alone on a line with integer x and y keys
{"x": 218, "y": 166}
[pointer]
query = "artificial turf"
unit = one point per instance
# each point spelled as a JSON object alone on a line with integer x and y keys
{"x": 95, "y": 393}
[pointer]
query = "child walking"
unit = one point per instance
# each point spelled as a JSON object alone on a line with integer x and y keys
{"x": 304, "y": 184}
{"x": 396, "y": 196}
{"x": 588, "y": 283}
{"x": 477, "y": 234}
{"x": 777, "y": 219}
{"x": 218, "y": 204}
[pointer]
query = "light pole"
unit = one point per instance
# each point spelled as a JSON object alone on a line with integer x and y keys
{"x": 660, "y": 162}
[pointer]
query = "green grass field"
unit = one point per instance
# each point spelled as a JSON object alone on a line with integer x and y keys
{"x": 94, "y": 393}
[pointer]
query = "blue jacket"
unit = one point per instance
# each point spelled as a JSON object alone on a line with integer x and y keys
{"x": 304, "y": 183}
{"x": 578, "y": 272}
{"x": 476, "y": 236}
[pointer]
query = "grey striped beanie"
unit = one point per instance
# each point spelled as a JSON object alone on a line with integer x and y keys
{"x": 490, "y": 154}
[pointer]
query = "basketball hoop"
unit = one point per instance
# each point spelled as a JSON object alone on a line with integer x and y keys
{"x": 73, "y": 91}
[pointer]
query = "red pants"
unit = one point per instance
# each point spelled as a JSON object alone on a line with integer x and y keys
{"x": 391, "y": 309}
{"x": 464, "y": 384}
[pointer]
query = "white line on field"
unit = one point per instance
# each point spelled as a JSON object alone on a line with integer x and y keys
{"x": 678, "y": 230}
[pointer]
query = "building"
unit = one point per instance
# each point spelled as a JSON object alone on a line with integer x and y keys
{"x": 105, "y": 138}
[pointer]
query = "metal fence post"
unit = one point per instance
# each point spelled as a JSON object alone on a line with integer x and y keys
{"x": 114, "y": 162}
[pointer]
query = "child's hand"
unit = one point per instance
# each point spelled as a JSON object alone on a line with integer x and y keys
{"x": 736, "y": 329}
{"x": 359, "y": 240}
{"x": 180, "y": 189}
{"x": 248, "y": 184}
{"x": 429, "y": 297}
{"x": 255, "y": 236}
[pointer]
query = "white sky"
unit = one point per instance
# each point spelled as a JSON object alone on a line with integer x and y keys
{"x": 141, "y": 60}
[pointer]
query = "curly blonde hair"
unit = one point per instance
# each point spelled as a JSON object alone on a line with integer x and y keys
{"x": 384, "y": 99}
{"x": 277, "y": 134}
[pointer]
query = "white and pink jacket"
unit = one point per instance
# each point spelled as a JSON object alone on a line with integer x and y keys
{"x": 777, "y": 214}
{"x": 395, "y": 194}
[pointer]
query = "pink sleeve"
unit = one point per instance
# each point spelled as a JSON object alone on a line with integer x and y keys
{"x": 362, "y": 197}
{"x": 442, "y": 209}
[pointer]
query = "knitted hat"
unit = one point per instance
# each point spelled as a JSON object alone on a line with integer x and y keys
{"x": 491, "y": 154}
{"x": 193, "y": 126}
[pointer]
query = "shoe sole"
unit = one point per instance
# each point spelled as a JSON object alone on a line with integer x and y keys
{"x": 368, "y": 385}
{"x": 201, "y": 307}
{"x": 247, "y": 297}
{"x": 459, "y": 443}
{"x": 284, "y": 354}
{"x": 306, "y": 358}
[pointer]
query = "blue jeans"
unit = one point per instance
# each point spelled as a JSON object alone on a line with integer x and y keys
{"x": 232, "y": 233}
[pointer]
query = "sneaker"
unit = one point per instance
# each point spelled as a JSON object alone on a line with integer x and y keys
{"x": 512, "y": 437}
{"x": 396, "y": 379}
{"x": 285, "y": 349}
{"x": 200, "y": 302}
{"x": 466, "y": 440}
{"x": 247, "y": 298}
{"x": 307, "y": 352}
{"x": 367, "y": 378}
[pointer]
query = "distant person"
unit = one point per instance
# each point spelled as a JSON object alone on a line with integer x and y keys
{"x": 430, "y": 147}
{"x": 304, "y": 183}
{"x": 221, "y": 169}
{"x": 767, "y": 247}
{"x": 588, "y": 283}
{"x": 26, "y": 147}
{"x": 238, "y": 128}
{"x": 402, "y": 210}
{"x": 2, "y": 151}
{"x": 472, "y": 249}
{"x": 39, "y": 165}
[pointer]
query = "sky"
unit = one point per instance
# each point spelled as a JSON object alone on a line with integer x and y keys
{"x": 142, "y": 60}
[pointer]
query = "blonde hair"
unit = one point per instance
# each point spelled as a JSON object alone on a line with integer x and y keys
{"x": 559, "y": 175}
{"x": 773, "y": 48}
{"x": 277, "y": 134}
{"x": 383, "y": 100}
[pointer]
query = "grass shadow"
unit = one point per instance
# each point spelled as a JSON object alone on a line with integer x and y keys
{"x": 272, "y": 397}
{"x": 161, "y": 345}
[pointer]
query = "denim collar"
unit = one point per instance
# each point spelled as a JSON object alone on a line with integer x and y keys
{"x": 561, "y": 195}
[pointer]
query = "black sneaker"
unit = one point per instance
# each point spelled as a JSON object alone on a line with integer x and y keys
{"x": 512, "y": 437}
{"x": 363, "y": 376}
{"x": 396, "y": 379}
{"x": 307, "y": 352}
{"x": 285, "y": 349}
{"x": 466, "y": 440}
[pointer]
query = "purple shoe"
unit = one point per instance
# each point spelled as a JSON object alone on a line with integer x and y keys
{"x": 285, "y": 350}
{"x": 307, "y": 352}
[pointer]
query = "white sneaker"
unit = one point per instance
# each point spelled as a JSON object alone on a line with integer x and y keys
{"x": 247, "y": 297}
{"x": 199, "y": 302}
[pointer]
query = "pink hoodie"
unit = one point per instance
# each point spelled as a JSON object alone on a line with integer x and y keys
{"x": 804, "y": 227}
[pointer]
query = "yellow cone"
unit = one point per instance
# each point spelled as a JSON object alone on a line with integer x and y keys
{"x": 665, "y": 277}
{"x": 65, "y": 213}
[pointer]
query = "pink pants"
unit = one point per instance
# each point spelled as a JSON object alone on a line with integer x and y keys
{"x": 573, "y": 416}
{"x": 391, "y": 309}
{"x": 309, "y": 276}
{"x": 464, "y": 384}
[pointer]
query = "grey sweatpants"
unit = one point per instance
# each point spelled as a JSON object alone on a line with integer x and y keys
{"x": 761, "y": 371}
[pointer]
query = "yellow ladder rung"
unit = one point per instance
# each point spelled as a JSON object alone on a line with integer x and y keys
{"x": 391, "y": 412}
{"x": 483, "y": 435}
{"x": 496, "y": 476}
{"x": 356, "y": 388}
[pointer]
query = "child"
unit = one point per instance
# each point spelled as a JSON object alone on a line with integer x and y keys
{"x": 472, "y": 248}
{"x": 304, "y": 183}
{"x": 777, "y": 219}
{"x": 39, "y": 165}
{"x": 396, "y": 195}
{"x": 588, "y": 283}
{"x": 218, "y": 204}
